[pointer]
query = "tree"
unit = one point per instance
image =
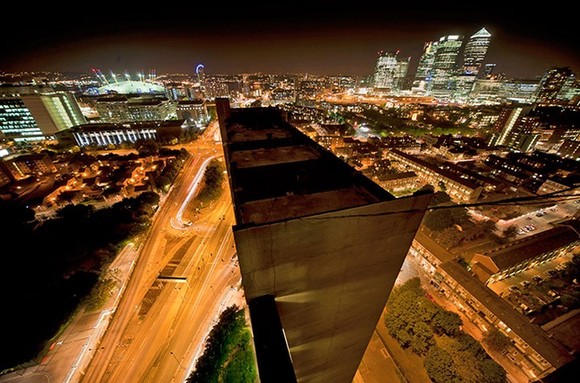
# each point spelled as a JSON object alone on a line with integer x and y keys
{"x": 147, "y": 147}
{"x": 440, "y": 198}
{"x": 496, "y": 341}
{"x": 439, "y": 366}
{"x": 76, "y": 213}
{"x": 446, "y": 322}
{"x": 422, "y": 338}
{"x": 440, "y": 219}
{"x": 510, "y": 232}
{"x": 491, "y": 372}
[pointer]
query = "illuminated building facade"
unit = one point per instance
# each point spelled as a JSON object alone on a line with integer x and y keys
{"x": 445, "y": 65}
{"x": 508, "y": 126}
{"x": 385, "y": 70}
{"x": 536, "y": 353}
{"x": 458, "y": 188}
{"x": 16, "y": 121}
{"x": 552, "y": 83}
{"x": 319, "y": 246}
{"x": 474, "y": 52}
{"x": 54, "y": 111}
{"x": 124, "y": 108}
{"x": 103, "y": 134}
{"x": 193, "y": 112}
{"x": 23, "y": 165}
{"x": 425, "y": 67}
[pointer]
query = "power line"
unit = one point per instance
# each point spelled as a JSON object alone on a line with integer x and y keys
{"x": 529, "y": 200}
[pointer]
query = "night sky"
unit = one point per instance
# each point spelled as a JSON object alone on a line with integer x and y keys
{"x": 318, "y": 37}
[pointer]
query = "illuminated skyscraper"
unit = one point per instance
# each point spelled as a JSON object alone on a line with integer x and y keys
{"x": 385, "y": 71}
{"x": 319, "y": 246}
{"x": 400, "y": 74}
{"x": 425, "y": 67}
{"x": 475, "y": 50}
{"x": 552, "y": 83}
{"x": 445, "y": 65}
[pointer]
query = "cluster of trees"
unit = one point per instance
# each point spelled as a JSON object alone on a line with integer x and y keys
{"x": 171, "y": 169}
{"x": 428, "y": 330}
{"x": 228, "y": 356}
{"x": 213, "y": 178}
{"x": 451, "y": 224}
{"x": 54, "y": 265}
{"x": 388, "y": 122}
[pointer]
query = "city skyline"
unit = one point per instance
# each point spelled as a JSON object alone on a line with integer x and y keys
{"x": 317, "y": 39}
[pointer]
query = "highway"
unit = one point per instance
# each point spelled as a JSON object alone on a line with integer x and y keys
{"x": 153, "y": 329}
{"x": 160, "y": 326}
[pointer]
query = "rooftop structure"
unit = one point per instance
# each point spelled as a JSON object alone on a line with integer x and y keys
{"x": 319, "y": 245}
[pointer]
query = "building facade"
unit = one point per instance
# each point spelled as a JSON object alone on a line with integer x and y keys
{"x": 16, "y": 121}
{"x": 319, "y": 245}
{"x": 445, "y": 66}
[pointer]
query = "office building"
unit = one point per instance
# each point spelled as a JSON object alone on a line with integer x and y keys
{"x": 425, "y": 67}
{"x": 124, "y": 108}
{"x": 385, "y": 69}
{"x": 552, "y": 83}
{"x": 54, "y": 111}
{"x": 319, "y": 246}
{"x": 474, "y": 52}
{"x": 193, "y": 112}
{"x": 400, "y": 75}
{"x": 103, "y": 134}
{"x": 16, "y": 121}
{"x": 445, "y": 66}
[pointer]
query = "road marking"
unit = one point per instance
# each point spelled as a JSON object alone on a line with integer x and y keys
{"x": 385, "y": 354}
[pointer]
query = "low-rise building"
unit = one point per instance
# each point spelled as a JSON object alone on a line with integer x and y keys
{"x": 457, "y": 187}
{"x": 536, "y": 353}
{"x": 517, "y": 256}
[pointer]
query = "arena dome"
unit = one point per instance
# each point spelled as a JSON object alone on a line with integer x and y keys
{"x": 131, "y": 87}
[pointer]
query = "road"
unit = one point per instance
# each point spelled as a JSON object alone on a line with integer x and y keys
{"x": 152, "y": 330}
{"x": 162, "y": 325}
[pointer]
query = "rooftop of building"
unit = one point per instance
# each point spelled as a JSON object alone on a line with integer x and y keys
{"x": 126, "y": 87}
{"x": 518, "y": 251}
{"x": 279, "y": 173}
{"x": 190, "y": 102}
{"x": 532, "y": 334}
{"x": 443, "y": 172}
{"x": 104, "y": 126}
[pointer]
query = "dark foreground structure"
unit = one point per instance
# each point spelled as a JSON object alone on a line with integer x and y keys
{"x": 319, "y": 246}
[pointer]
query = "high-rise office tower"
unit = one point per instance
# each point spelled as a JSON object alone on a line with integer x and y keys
{"x": 319, "y": 246}
{"x": 54, "y": 111}
{"x": 552, "y": 82}
{"x": 385, "y": 70}
{"x": 400, "y": 74}
{"x": 445, "y": 65}
{"x": 570, "y": 91}
{"x": 424, "y": 72}
{"x": 474, "y": 52}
